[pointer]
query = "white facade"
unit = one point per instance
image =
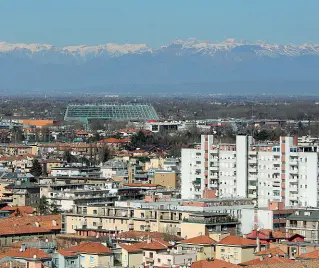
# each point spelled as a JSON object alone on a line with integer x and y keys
{"x": 265, "y": 220}
{"x": 265, "y": 172}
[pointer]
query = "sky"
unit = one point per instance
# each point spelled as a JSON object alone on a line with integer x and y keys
{"x": 156, "y": 23}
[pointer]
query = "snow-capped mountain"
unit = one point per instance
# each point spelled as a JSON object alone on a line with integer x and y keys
{"x": 191, "y": 46}
{"x": 182, "y": 61}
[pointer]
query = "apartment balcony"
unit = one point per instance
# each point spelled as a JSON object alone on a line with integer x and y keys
{"x": 302, "y": 227}
{"x": 293, "y": 163}
{"x": 214, "y": 168}
{"x": 294, "y": 171}
{"x": 213, "y": 185}
{"x": 149, "y": 260}
{"x": 252, "y": 178}
{"x": 252, "y": 169}
{"x": 252, "y": 161}
{"x": 293, "y": 189}
{"x": 252, "y": 187}
{"x": 252, "y": 153}
{"x": 214, "y": 176}
{"x": 252, "y": 195}
{"x": 293, "y": 197}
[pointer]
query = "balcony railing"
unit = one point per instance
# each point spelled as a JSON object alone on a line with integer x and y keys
{"x": 211, "y": 221}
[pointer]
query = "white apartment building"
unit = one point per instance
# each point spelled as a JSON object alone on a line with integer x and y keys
{"x": 265, "y": 172}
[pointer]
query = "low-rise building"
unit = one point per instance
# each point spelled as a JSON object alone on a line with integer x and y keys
{"x": 93, "y": 254}
{"x": 65, "y": 259}
{"x": 304, "y": 222}
{"x": 203, "y": 245}
{"x": 235, "y": 249}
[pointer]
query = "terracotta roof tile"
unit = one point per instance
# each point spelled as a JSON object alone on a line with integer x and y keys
{"x": 309, "y": 255}
{"x": 130, "y": 248}
{"x": 22, "y": 209}
{"x": 155, "y": 244}
{"x": 16, "y": 225}
{"x": 90, "y": 247}
{"x": 272, "y": 251}
{"x": 66, "y": 253}
{"x": 142, "y": 235}
{"x": 267, "y": 261}
{"x": 152, "y": 244}
{"x": 213, "y": 264}
{"x": 237, "y": 241}
{"x": 200, "y": 240}
{"x": 28, "y": 253}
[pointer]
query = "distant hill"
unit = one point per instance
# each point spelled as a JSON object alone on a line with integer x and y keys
{"x": 183, "y": 66}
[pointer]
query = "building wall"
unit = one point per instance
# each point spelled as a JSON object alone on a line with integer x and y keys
{"x": 241, "y": 165}
{"x": 131, "y": 259}
{"x": 234, "y": 254}
{"x": 189, "y": 230}
{"x": 167, "y": 259}
{"x": 188, "y": 168}
{"x": 166, "y": 179}
{"x": 93, "y": 260}
{"x": 263, "y": 220}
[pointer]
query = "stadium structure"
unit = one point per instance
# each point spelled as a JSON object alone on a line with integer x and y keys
{"x": 117, "y": 112}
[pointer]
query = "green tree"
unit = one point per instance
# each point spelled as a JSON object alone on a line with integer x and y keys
{"x": 54, "y": 208}
{"x": 68, "y": 157}
{"x": 36, "y": 169}
{"x": 44, "y": 206}
{"x": 104, "y": 154}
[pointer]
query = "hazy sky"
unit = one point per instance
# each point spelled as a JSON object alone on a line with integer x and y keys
{"x": 156, "y": 22}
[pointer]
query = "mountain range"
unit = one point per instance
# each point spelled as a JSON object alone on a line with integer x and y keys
{"x": 183, "y": 65}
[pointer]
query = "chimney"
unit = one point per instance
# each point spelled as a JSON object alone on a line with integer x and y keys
{"x": 22, "y": 249}
{"x": 261, "y": 258}
{"x": 37, "y": 224}
{"x": 54, "y": 223}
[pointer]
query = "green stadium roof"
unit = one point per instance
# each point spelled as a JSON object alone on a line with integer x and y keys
{"x": 118, "y": 112}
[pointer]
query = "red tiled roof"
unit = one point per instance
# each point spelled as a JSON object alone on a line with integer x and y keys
{"x": 111, "y": 140}
{"x": 28, "y": 253}
{"x": 155, "y": 244}
{"x": 90, "y": 247}
{"x": 266, "y": 261}
{"x": 142, "y": 235}
{"x": 152, "y": 244}
{"x": 26, "y": 224}
{"x": 15, "y": 230}
{"x": 266, "y": 234}
{"x": 213, "y": 264}
{"x": 200, "y": 240}
{"x": 272, "y": 251}
{"x": 22, "y": 209}
{"x": 309, "y": 255}
{"x": 130, "y": 248}
{"x": 67, "y": 253}
{"x": 237, "y": 241}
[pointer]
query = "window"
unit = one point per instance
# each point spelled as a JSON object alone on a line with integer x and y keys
{"x": 82, "y": 258}
{"x": 94, "y": 223}
{"x": 151, "y": 254}
{"x": 91, "y": 258}
{"x": 94, "y": 211}
{"x": 159, "y": 260}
